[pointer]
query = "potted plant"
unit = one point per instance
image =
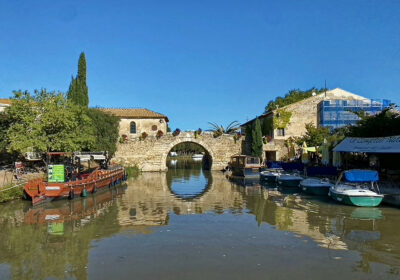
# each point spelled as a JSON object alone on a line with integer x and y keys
{"x": 237, "y": 136}
{"x": 123, "y": 139}
{"x": 143, "y": 136}
{"x": 176, "y": 132}
{"x": 197, "y": 133}
{"x": 159, "y": 134}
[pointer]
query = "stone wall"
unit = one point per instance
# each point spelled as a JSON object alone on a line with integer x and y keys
{"x": 151, "y": 153}
{"x": 142, "y": 125}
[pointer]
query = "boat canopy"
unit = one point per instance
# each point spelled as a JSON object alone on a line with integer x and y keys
{"x": 357, "y": 175}
{"x": 87, "y": 157}
{"x": 387, "y": 145}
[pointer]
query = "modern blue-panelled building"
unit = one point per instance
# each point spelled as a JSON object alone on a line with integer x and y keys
{"x": 338, "y": 113}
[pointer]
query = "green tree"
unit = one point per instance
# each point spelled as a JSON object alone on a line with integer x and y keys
{"x": 386, "y": 123}
{"x": 292, "y": 96}
{"x": 267, "y": 126}
{"x": 106, "y": 131}
{"x": 47, "y": 122}
{"x": 256, "y": 140}
{"x": 78, "y": 91}
{"x": 314, "y": 135}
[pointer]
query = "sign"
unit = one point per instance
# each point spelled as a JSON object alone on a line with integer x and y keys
{"x": 56, "y": 173}
{"x": 388, "y": 145}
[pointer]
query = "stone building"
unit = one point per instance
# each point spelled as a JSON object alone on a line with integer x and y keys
{"x": 134, "y": 122}
{"x": 304, "y": 112}
{"x": 4, "y": 103}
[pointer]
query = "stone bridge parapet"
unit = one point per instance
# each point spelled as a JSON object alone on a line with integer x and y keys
{"x": 150, "y": 154}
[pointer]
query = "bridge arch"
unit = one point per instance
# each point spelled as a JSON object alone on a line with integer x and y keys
{"x": 205, "y": 146}
{"x": 150, "y": 154}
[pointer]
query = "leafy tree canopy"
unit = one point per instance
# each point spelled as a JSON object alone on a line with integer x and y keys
{"x": 292, "y": 96}
{"x": 386, "y": 123}
{"x": 106, "y": 131}
{"x": 314, "y": 135}
{"x": 46, "y": 122}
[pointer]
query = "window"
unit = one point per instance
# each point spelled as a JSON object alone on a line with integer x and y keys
{"x": 281, "y": 132}
{"x": 133, "y": 128}
{"x": 154, "y": 128}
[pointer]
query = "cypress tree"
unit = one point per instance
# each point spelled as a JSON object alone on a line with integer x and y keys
{"x": 78, "y": 91}
{"x": 256, "y": 140}
{"x": 82, "y": 81}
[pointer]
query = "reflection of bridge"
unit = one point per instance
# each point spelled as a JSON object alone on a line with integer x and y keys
{"x": 151, "y": 153}
{"x": 150, "y": 199}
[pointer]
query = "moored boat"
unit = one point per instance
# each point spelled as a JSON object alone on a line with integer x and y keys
{"x": 245, "y": 166}
{"x": 316, "y": 186}
{"x": 67, "y": 181}
{"x": 360, "y": 188}
{"x": 197, "y": 156}
{"x": 270, "y": 175}
{"x": 289, "y": 180}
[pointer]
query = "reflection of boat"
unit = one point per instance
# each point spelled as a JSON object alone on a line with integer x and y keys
{"x": 79, "y": 209}
{"x": 288, "y": 180}
{"x": 316, "y": 186}
{"x": 367, "y": 214}
{"x": 173, "y": 161}
{"x": 197, "y": 156}
{"x": 358, "y": 189}
{"x": 270, "y": 175}
{"x": 245, "y": 166}
{"x": 61, "y": 184}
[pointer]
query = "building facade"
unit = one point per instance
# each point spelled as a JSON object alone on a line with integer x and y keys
{"x": 4, "y": 103}
{"x": 330, "y": 109}
{"x": 135, "y": 122}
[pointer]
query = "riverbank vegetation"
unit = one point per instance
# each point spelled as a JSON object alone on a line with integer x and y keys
{"x": 11, "y": 192}
{"x": 132, "y": 171}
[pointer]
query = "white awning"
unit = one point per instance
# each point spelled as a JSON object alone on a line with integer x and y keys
{"x": 388, "y": 145}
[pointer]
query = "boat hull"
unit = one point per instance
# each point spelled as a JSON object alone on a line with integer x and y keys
{"x": 246, "y": 172}
{"x": 289, "y": 183}
{"x": 315, "y": 190}
{"x": 363, "y": 201}
{"x": 270, "y": 178}
{"x": 40, "y": 191}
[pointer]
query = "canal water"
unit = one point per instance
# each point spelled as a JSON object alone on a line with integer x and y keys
{"x": 195, "y": 224}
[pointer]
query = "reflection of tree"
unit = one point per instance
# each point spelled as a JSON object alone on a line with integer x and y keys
{"x": 33, "y": 253}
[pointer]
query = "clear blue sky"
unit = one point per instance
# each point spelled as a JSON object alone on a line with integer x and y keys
{"x": 201, "y": 61}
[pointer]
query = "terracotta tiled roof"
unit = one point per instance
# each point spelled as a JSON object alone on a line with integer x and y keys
{"x": 5, "y": 101}
{"x": 135, "y": 113}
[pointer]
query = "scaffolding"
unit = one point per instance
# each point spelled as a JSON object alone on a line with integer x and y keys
{"x": 339, "y": 113}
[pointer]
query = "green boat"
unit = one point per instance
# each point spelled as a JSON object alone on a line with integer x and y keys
{"x": 359, "y": 189}
{"x": 287, "y": 180}
{"x": 316, "y": 186}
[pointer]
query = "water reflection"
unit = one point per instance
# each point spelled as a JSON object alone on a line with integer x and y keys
{"x": 56, "y": 240}
{"x": 187, "y": 180}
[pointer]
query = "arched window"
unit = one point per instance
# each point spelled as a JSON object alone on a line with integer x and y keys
{"x": 133, "y": 128}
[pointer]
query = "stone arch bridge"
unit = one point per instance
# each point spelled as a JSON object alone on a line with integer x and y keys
{"x": 151, "y": 153}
